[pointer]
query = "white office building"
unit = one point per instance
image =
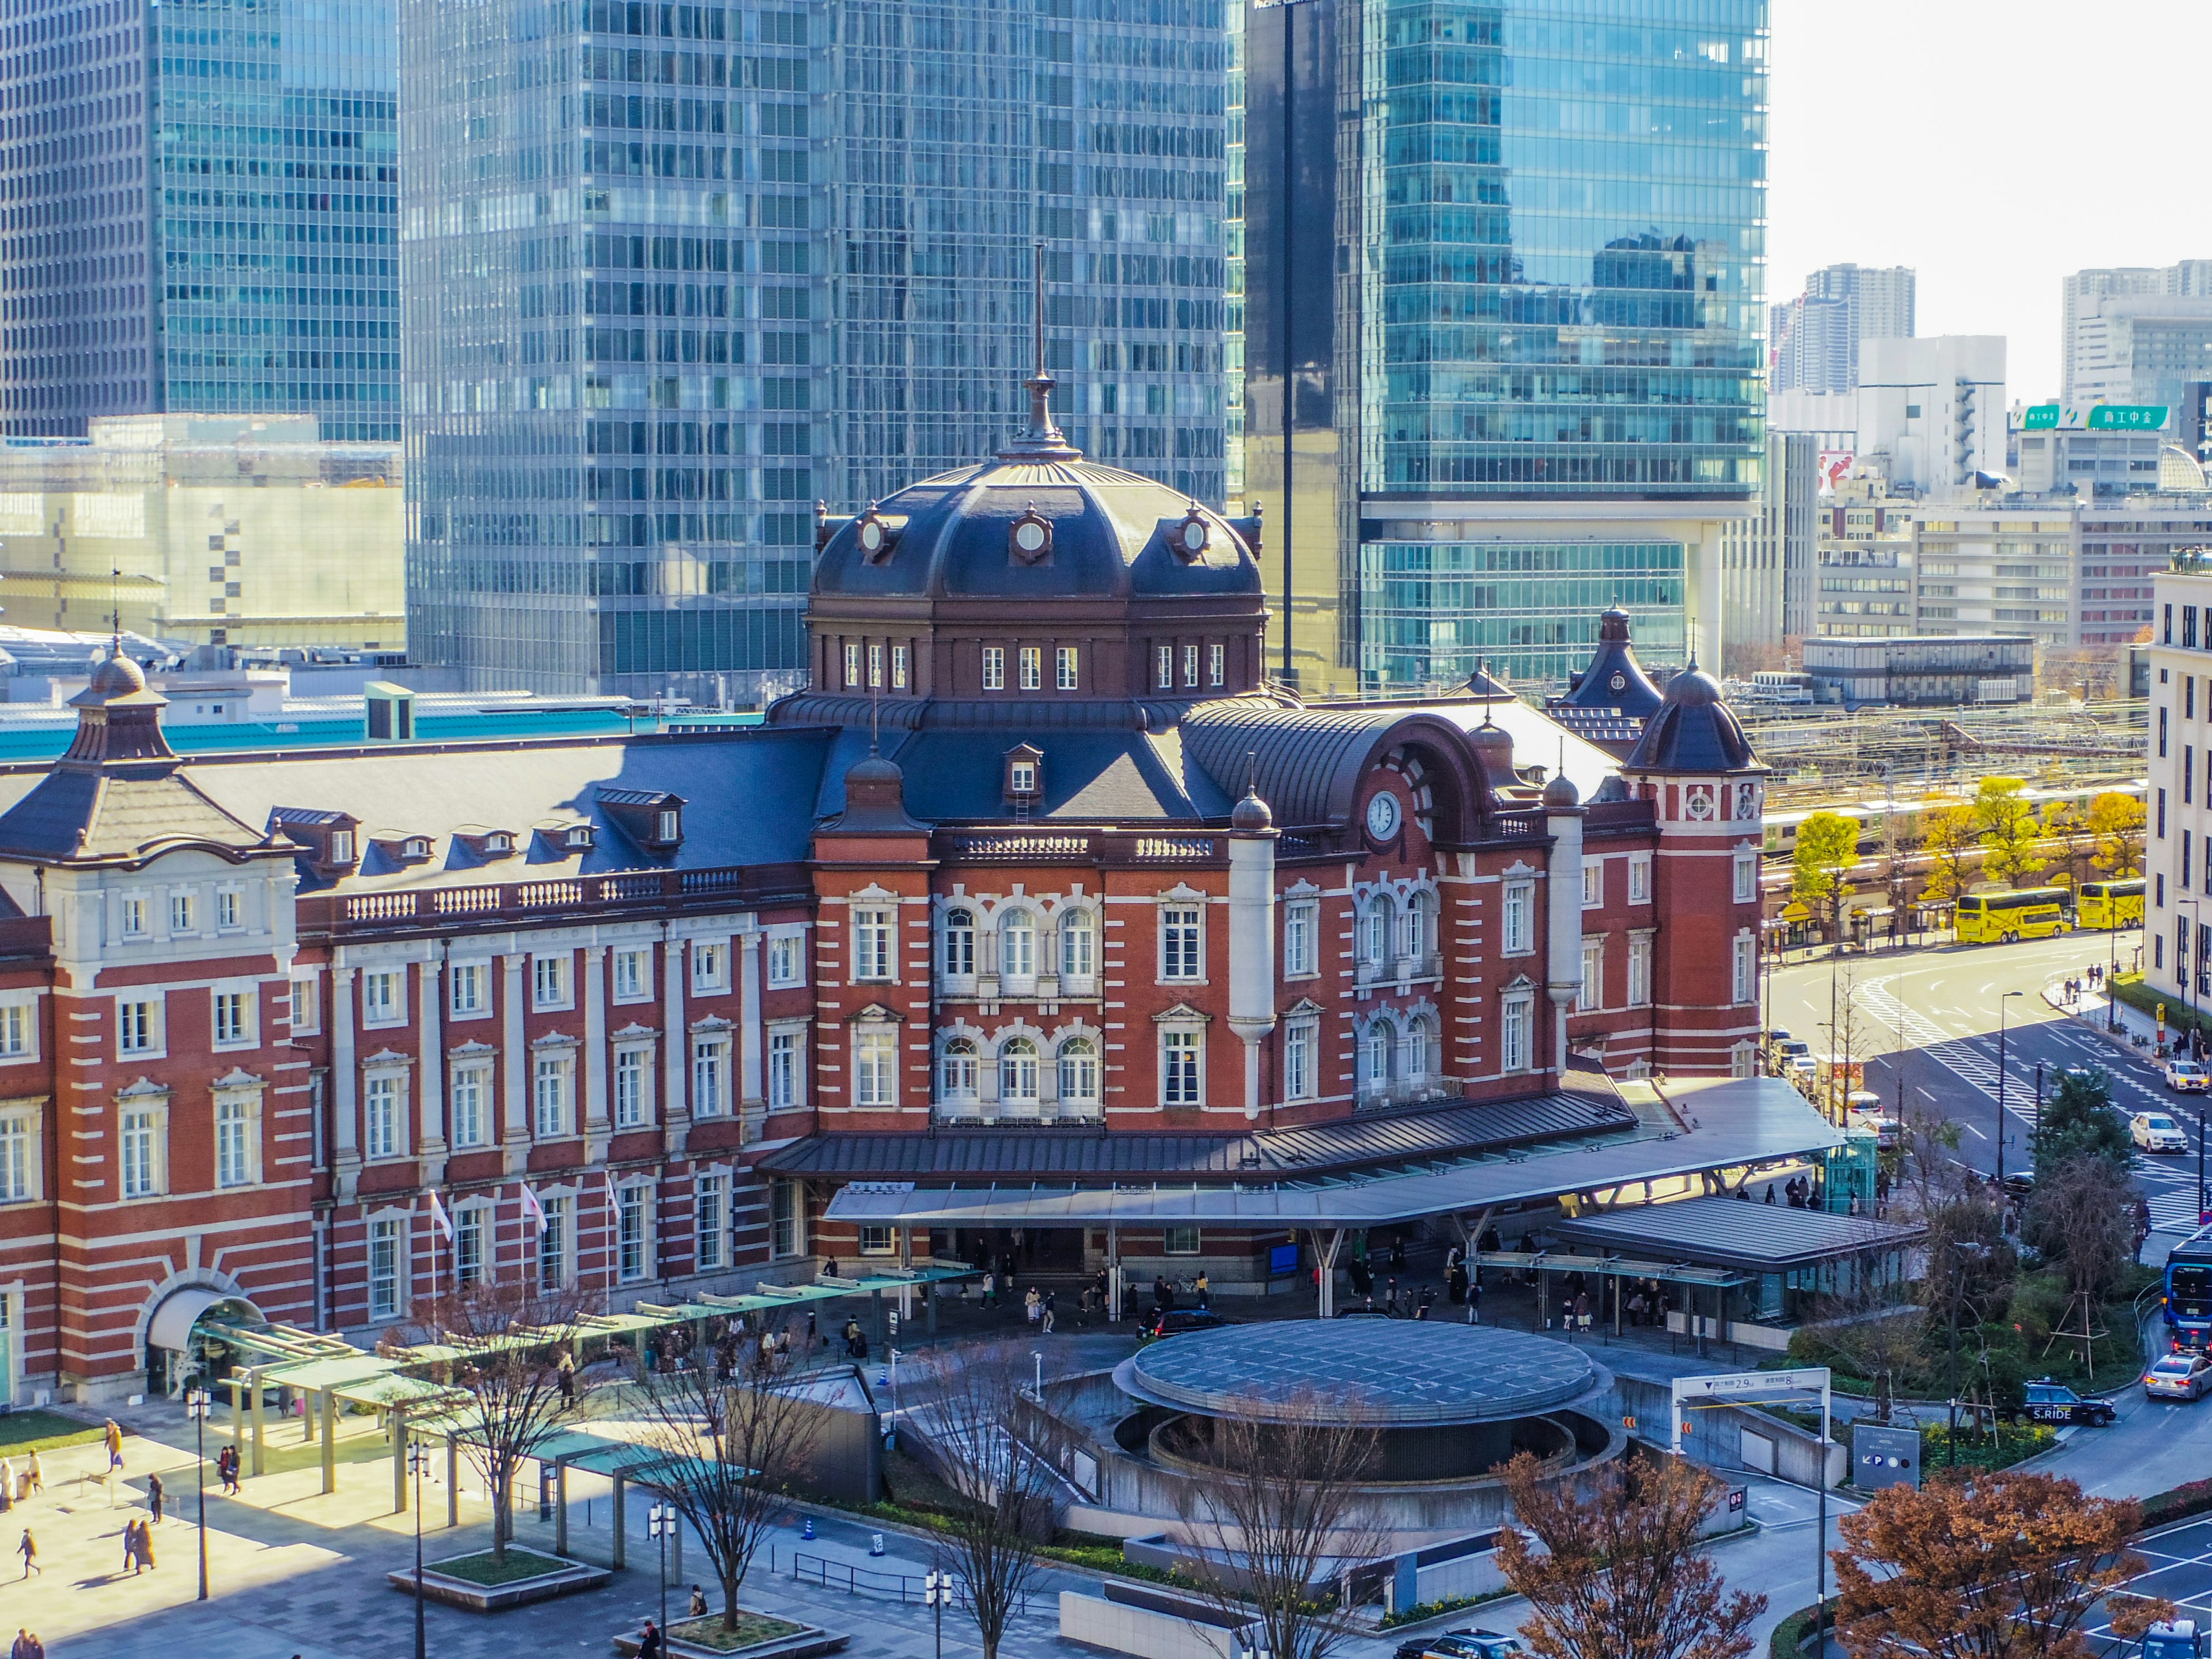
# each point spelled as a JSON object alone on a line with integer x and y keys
{"x": 1936, "y": 410}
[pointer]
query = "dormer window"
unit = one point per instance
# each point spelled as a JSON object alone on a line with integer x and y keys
{"x": 414, "y": 847}
{"x": 580, "y": 837}
{"x": 341, "y": 847}
{"x": 329, "y": 838}
{"x": 1025, "y": 774}
{"x": 1029, "y": 538}
{"x": 499, "y": 843}
{"x": 1021, "y": 778}
{"x": 1189, "y": 538}
{"x": 670, "y": 829}
{"x": 878, "y": 536}
{"x": 652, "y": 820}
{"x": 484, "y": 842}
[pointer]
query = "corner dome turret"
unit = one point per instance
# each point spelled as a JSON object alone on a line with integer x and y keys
{"x": 1694, "y": 731}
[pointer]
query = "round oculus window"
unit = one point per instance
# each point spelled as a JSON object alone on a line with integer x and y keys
{"x": 1029, "y": 536}
{"x": 872, "y": 536}
{"x": 1193, "y": 535}
{"x": 1698, "y": 803}
{"x": 1618, "y": 682}
{"x": 1382, "y": 815}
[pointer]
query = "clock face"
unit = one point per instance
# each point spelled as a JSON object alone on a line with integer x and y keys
{"x": 1382, "y": 815}
{"x": 1698, "y": 803}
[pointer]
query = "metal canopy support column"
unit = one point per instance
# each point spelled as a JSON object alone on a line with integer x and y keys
{"x": 237, "y": 1412}
{"x": 561, "y": 1507}
{"x": 260, "y": 1427}
{"x": 1326, "y": 1246}
{"x": 329, "y": 1410}
{"x": 621, "y": 1537}
{"x": 398, "y": 1462}
{"x": 453, "y": 1481}
{"x": 1113, "y": 1272}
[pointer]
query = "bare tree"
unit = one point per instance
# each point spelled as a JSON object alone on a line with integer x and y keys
{"x": 732, "y": 1434}
{"x": 1621, "y": 1575}
{"x": 2082, "y": 1214}
{"x": 993, "y": 1445}
{"x": 1281, "y": 1513}
{"x": 504, "y": 1344}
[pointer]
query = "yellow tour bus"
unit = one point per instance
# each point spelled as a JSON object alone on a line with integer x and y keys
{"x": 2030, "y": 913}
{"x": 2111, "y": 904}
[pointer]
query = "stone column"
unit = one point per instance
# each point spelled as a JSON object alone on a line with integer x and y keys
{"x": 597, "y": 1129}
{"x": 514, "y": 1061}
{"x": 752, "y": 1090}
{"x": 430, "y": 1144}
{"x": 675, "y": 1050}
{"x": 346, "y": 1076}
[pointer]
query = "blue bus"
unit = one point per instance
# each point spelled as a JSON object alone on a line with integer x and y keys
{"x": 2188, "y": 1291}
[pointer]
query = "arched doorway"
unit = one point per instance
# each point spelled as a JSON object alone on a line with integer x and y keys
{"x": 184, "y": 1337}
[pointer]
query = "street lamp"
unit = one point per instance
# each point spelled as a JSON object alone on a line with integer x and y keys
{"x": 195, "y": 1407}
{"x": 936, "y": 1591}
{"x": 2001, "y": 1000}
{"x": 660, "y": 1522}
{"x": 418, "y": 1465}
{"x": 2185, "y": 962}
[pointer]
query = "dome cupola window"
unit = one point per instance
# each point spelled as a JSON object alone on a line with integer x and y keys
{"x": 1029, "y": 538}
{"x": 1190, "y": 538}
{"x": 878, "y": 535}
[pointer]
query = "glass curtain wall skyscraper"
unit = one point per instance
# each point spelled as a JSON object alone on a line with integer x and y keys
{"x": 199, "y": 212}
{"x": 677, "y": 272}
{"x": 1503, "y": 272}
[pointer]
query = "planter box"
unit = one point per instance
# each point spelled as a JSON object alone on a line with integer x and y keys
{"x": 802, "y": 1644}
{"x": 453, "y": 1592}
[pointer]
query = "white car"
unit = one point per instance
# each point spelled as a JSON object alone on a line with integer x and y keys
{"x": 2187, "y": 1077}
{"x": 1884, "y": 1129}
{"x": 2154, "y": 1132}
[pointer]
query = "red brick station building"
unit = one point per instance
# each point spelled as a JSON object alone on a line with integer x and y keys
{"x": 1044, "y": 920}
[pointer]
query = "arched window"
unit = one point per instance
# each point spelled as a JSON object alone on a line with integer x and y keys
{"x": 1421, "y": 1048}
{"x": 1079, "y": 1074}
{"x": 959, "y": 944}
{"x": 1380, "y": 1039}
{"x": 1079, "y": 944}
{"x": 1376, "y": 946}
{"x": 1017, "y": 945}
{"x": 1017, "y": 1073}
{"x": 957, "y": 1070}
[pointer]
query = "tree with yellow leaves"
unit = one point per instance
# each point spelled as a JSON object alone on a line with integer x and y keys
{"x": 2012, "y": 841}
{"x": 2115, "y": 826}
{"x": 1948, "y": 834}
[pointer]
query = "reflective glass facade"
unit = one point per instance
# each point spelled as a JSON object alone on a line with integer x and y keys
{"x": 199, "y": 212}
{"x": 1546, "y": 282}
{"x": 676, "y": 272}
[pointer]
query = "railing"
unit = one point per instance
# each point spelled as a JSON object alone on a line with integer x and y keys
{"x": 1411, "y": 1094}
{"x": 750, "y": 885}
{"x": 1018, "y": 846}
{"x": 866, "y": 1580}
{"x": 1520, "y": 826}
{"x": 1159, "y": 848}
{"x": 972, "y": 1117}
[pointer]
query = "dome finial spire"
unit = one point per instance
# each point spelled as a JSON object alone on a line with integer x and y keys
{"x": 1043, "y": 441}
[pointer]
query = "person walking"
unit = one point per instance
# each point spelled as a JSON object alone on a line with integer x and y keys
{"x": 565, "y": 1375}
{"x": 154, "y": 1496}
{"x": 1045, "y": 1318}
{"x": 698, "y": 1602}
{"x": 34, "y": 1478}
{"x": 130, "y": 1543}
{"x": 226, "y": 1468}
{"x": 114, "y": 1439}
{"x": 28, "y": 1549}
{"x": 1033, "y": 1304}
{"x": 648, "y": 1641}
{"x": 990, "y": 1289}
{"x": 1205, "y": 1289}
{"x": 22, "y": 1647}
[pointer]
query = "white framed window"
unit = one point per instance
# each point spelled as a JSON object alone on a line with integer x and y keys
{"x": 234, "y": 1135}
{"x": 959, "y": 1071}
{"x": 710, "y": 968}
{"x": 1300, "y": 1039}
{"x": 549, "y": 980}
{"x": 145, "y": 1150}
{"x": 1590, "y": 995}
{"x": 1181, "y": 942}
{"x": 1747, "y": 875}
{"x": 19, "y": 1028}
{"x": 468, "y": 988}
{"x": 1375, "y": 930}
{"x": 875, "y": 1066}
{"x": 1032, "y": 663}
{"x": 787, "y": 1225}
{"x": 875, "y": 1240}
{"x": 633, "y": 1084}
{"x": 307, "y": 1006}
{"x": 1420, "y": 1051}
{"x": 229, "y": 909}
{"x": 1639, "y": 877}
{"x": 1064, "y": 667}
{"x": 852, "y": 662}
{"x": 1217, "y": 663}
{"x": 898, "y": 667}
{"x": 1515, "y": 1030}
{"x": 1017, "y": 945}
{"x": 1021, "y": 777}
{"x": 130, "y": 914}
{"x": 1079, "y": 944}
{"x": 1639, "y": 973}
{"x": 1300, "y": 925}
{"x": 386, "y": 1260}
{"x": 235, "y": 1022}
{"x": 1164, "y": 666}
{"x": 1519, "y": 905}
{"x": 554, "y": 1254}
{"x": 466, "y": 1098}
{"x": 468, "y": 1244}
{"x": 957, "y": 956}
{"x": 1745, "y": 979}
{"x": 184, "y": 912}
{"x": 1190, "y": 665}
{"x": 19, "y": 1154}
{"x": 634, "y": 975}
{"x": 994, "y": 668}
{"x": 552, "y": 1091}
{"x": 710, "y": 1076}
{"x": 787, "y": 960}
{"x": 671, "y": 824}
{"x": 872, "y": 928}
{"x": 1183, "y": 1067}
{"x": 710, "y": 1229}
{"x": 1018, "y": 1073}
{"x": 384, "y": 1105}
{"x": 1415, "y": 932}
{"x": 1179, "y": 1241}
{"x": 632, "y": 1235}
{"x": 787, "y": 1059}
{"x": 139, "y": 1026}
{"x": 875, "y": 663}
{"x": 1375, "y": 1056}
{"x": 384, "y": 996}
{"x": 1593, "y": 884}
{"x": 1078, "y": 1075}
{"x": 341, "y": 847}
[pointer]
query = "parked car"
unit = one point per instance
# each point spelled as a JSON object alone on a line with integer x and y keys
{"x": 2054, "y": 1402}
{"x": 2177, "y": 1376}
{"x": 1886, "y": 1128}
{"x": 1463, "y": 1645}
{"x": 2154, "y": 1132}
{"x": 1180, "y": 1322}
{"x": 1801, "y": 1069}
{"x": 2187, "y": 1077}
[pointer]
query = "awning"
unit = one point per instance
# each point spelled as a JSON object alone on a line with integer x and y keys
{"x": 171, "y": 1324}
{"x": 1726, "y": 1232}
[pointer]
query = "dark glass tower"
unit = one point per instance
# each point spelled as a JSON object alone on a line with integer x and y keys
{"x": 199, "y": 212}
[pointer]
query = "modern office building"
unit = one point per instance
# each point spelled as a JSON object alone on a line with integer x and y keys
{"x": 1766, "y": 560}
{"x": 205, "y": 529}
{"x": 2133, "y": 334}
{"x": 1936, "y": 671}
{"x": 787, "y": 257}
{"x": 199, "y": 213}
{"x": 2177, "y": 932}
{"x": 1934, "y": 409}
{"x": 1501, "y": 328}
{"x": 1813, "y": 339}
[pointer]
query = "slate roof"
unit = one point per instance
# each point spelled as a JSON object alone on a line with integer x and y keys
{"x": 1614, "y": 680}
{"x": 81, "y": 814}
{"x": 1694, "y": 731}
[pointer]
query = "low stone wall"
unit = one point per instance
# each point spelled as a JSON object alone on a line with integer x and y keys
{"x": 1120, "y": 1626}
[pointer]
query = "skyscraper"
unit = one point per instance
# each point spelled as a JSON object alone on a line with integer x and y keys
{"x": 1503, "y": 271}
{"x": 200, "y": 206}
{"x": 1815, "y": 337}
{"x": 677, "y": 272}
{"x": 2142, "y": 335}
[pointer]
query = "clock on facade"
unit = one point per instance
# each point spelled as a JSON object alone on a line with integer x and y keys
{"x": 1382, "y": 815}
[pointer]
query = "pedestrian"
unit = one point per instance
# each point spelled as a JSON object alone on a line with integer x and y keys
{"x": 130, "y": 1543}
{"x": 1205, "y": 1289}
{"x": 1769, "y": 1191}
{"x": 22, "y": 1650}
{"x": 565, "y": 1375}
{"x": 1474, "y": 1300}
{"x": 34, "y": 1478}
{"x": 145, "y": 1544}
{"x": 698, "y": 1602}
{"x": 114, "y": 1439}
{"x": 154, "y": 1496}
{"x": 28, "y": 1549}
{"x": 1032, "y": 1305}
{"x": 1046, "y": 1317}
{"x": 648, "y": 1641}
{"x": 990, "y": 1289}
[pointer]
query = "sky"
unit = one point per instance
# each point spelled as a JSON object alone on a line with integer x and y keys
{"x": 1994, "y": 147}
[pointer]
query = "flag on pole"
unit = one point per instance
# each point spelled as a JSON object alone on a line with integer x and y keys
{"x": 443, "y": 1222}
{"x": 532, "y": 1208}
